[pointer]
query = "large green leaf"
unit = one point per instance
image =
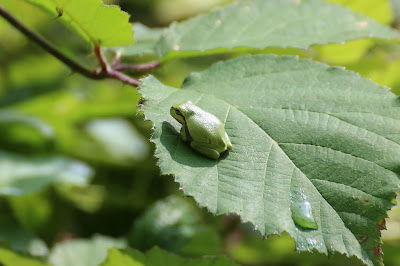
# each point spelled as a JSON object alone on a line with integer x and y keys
{"x": 104, "y": 25}
{"x": 260, "y": 23}
{"x": 156, "y": 257}
{"x": 20, "y": 175}
{"x": 296, "y": 126}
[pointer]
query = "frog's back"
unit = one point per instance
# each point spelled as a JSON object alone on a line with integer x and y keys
{"x": 206, "y": 124}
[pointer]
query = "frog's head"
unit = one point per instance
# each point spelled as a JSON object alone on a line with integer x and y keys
{"x": 181, "y": 111}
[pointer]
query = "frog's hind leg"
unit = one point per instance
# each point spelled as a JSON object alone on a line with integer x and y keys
{"x": 198, "y": 146}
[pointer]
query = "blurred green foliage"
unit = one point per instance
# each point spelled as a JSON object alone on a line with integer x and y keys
{"x": 47, "y": 110}
{"x": 175, "y": 224}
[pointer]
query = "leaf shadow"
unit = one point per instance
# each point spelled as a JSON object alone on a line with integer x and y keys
{"x": 181, "y": 152}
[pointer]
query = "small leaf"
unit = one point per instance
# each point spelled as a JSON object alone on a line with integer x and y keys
{"x": 260, "y": 24}
{"x": 102, "y": 25}
{"x": 20, "y": 175}
{"x": 82, "y": 252}
{"x": 156, "y": 256}
{"x": 294, "y": 125}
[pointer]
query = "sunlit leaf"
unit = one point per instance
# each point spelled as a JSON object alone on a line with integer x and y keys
{"x": 104, "y": 25}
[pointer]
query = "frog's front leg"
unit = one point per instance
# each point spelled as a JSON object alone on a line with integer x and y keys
{"x": 183, "y": 134}
{"x": 203, "y": 149}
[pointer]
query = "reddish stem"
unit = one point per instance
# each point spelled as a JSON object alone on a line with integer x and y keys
{"x": 110, "y": 72}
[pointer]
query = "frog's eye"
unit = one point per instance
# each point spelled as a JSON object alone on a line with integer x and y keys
{"x": 178, "y": 112}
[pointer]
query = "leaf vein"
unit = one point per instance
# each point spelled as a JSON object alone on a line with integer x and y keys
{"x": 349, "y": 186}
{"x": 330, "y": 148}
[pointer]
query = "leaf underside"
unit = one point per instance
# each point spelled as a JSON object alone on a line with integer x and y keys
{"x": 295, "y": 125}
{"x": 277, "y": 23}
{"x": 102, "y": 25}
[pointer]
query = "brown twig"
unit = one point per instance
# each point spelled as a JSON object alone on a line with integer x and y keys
{"x": 106, "y": 71}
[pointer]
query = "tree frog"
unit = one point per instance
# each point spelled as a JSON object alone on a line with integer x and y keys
{"x": 203, "y": 131}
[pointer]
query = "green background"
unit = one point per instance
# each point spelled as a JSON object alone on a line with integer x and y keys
{"x": 88, "y": 118}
